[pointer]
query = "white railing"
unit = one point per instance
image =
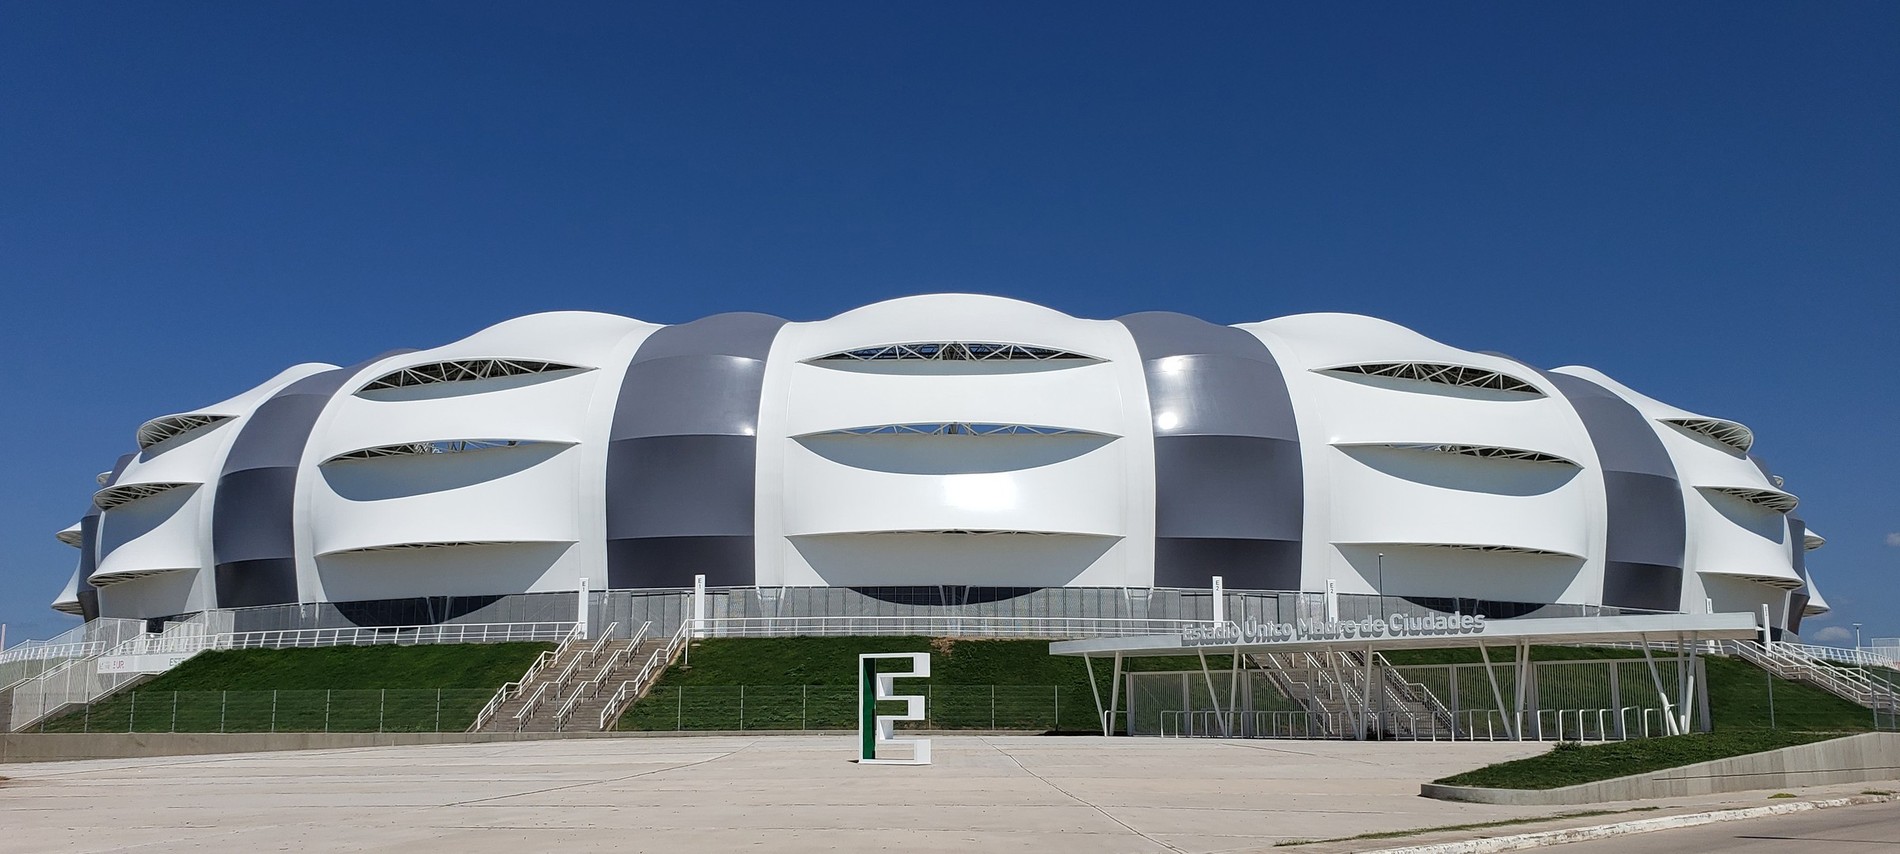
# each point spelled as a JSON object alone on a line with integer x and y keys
{"x": 81, "y": 680}
{"x": 656, "y": 664}
{"x": 590, "y": 689}
{"x": 41, "y": 652}
{"x": 1789, "y": 661}
{"x": 1840, "y": 655}
{"x": 31, "y": 658}
{"x": 593, "y": 652}
{"x": 513, "y": 689}
{"x": 996, "y": 627}
{"x": 99, "y": 635}
{"x": 535, "y": 699}
{"x": 393, "y": 635}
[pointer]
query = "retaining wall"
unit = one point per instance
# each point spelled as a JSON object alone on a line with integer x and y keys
{"x": 1868, "y": 757}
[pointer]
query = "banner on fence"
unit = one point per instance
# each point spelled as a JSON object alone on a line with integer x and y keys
{"x": 157, "y": 662}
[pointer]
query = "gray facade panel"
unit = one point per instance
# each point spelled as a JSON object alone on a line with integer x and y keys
{"x": 1242, "y": 564}
{"x": 702, "y": 395}
{"x": 263, "y": 499}
{"x": 253, "y": 521}
{"x": 1645, "y": 522}
{"x": 1797, "y": 541}
{"x": 1229, "y": 494}
{"x": 673, "y": 561}
{"x": 249, "y": 583}
{"x": 1233, "y": 487}
{"x": 1159, "y": 334}
{"x": 274, "y": 435}
{"x": 1209, "y": 379}
{"x": 681, "y": 461}
{"x": 1624, "y": 439}
{"x": 1215, "y": 395}
{"x": 679, "y": 486}
{"x": 1645, "y": 519}
{"x": 1647, "y": 586}
{"x": 89, "y": 556}
{"x": 740, "y": 333}
{"x": 88, "y": 561}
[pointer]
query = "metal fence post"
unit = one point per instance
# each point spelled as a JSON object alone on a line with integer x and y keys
{"x": 1058, "y": 716}
{"x": 438, "y": 710}
{"x": 992, "y": 705}
{"x": 679, "y": 712}
{"x": 382, "y": 705}
{"x": 273, "y": 710}
{"x": 742, "y": 708}
{"x": 132, "y": 713}
{"x": 224, "y": 699}
{"x": 326, "y": 710}
{"x": 804, "y": 702}
{"x": 174, "y": 711}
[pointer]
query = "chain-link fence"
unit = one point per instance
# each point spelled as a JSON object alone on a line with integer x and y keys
{"x": 369, "y": 710}
{"x": 1038, "y": 708}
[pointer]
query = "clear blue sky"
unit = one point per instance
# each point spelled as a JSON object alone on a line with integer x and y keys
{"x": 1701, "y": 199}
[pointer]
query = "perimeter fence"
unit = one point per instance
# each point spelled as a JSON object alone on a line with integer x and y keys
{"x": 368, "y": 710}
{"x": 733, "y": 708}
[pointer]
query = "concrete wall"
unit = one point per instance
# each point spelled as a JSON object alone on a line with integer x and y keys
{"x": 1855, "y": 759}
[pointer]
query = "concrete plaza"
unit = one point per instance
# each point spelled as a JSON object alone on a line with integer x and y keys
{"x": 770, "y": 793}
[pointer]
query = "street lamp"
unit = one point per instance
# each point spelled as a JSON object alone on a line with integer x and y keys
{"x": 1856, "y": 637}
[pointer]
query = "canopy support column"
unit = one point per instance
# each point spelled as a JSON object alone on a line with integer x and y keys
{"x": 1497, "y": 696}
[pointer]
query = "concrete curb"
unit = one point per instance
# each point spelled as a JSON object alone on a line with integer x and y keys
{"x": 1603, "y": 831}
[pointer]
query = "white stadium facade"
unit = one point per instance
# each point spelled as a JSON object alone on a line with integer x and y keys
{"x": 937, "y": 454}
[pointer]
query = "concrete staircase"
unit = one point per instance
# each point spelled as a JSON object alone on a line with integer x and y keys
{"x": 570, "y": 688}
{"x": 1332, "y": 686}
{"x": 581, "y": 706}
{"x": 1851, "y": 683}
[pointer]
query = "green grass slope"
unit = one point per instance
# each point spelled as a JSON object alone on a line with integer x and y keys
{"x": 811, "y": 683}
{"x": 333, "y": 689}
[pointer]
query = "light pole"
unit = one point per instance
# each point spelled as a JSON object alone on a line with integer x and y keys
{"x": 1382, "y": 585}
{"x": 1857, "y": 637}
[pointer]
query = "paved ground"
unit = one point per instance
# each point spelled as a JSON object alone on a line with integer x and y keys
{"x": 775, "y": 793}
{"x": 1847, "y": 830}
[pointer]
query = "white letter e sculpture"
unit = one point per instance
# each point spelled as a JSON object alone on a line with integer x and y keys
{"x": 875, "y": 729}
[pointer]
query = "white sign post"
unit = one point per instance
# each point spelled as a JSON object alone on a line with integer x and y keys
{"x": 875, "y": 729}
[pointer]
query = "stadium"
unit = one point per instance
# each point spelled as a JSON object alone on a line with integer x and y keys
{"x": 941, "y": 454}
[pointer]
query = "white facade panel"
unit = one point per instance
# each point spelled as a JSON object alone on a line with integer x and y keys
{"x": 951, "y": 440}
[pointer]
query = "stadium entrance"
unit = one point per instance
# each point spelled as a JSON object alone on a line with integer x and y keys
{"x": 1414, "y": 677}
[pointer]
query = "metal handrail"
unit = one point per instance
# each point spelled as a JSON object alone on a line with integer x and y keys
{"x": 655, "y": 664}
{"x": 591, "y": 688}
{"x": 593, "y": 652}
{"x": 513, "y": 689}
{"x": 527, "y": 709}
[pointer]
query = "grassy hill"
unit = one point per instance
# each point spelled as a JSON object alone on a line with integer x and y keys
{"x": 333, "y": 689}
